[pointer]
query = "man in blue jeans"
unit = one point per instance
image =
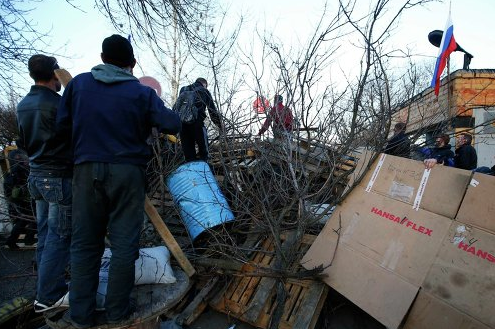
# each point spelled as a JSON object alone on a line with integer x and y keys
{"x": 49, "y": 181}
{"x": 108, "y": 115}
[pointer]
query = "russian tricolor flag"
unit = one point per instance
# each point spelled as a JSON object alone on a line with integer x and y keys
{"x": 447, "y": 46}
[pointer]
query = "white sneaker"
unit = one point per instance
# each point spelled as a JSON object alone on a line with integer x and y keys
{"x": 63, "y": 302}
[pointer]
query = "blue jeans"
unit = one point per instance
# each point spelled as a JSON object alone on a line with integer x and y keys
{"x": 108, "y": 198}
{"x": 53, "y": 196}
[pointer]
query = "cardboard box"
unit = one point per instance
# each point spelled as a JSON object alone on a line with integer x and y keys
{"x": 463, "y": 274}
{"x": 429, "y": 312}
{"x": 439, "y": 190}
{"x": 478, "y": 206}
{"x": 385, "y": 249}
{"x": 376, "y": 290}
{"x": 390, "y": 233}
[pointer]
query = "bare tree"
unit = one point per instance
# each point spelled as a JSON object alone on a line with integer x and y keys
{"x": 20, "y": 38}
{"x": 153, "y": 19}
{"x": 292, "y": 176}
{"x": 8, "y": 122}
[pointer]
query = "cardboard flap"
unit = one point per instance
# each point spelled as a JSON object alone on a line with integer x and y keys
{"x": 478, "y": 206}
{"x": 390, "y": 233}
{"x": 377, "y": 291}
{"x": 429, "y": 312}
{"x": 463, "y": 274}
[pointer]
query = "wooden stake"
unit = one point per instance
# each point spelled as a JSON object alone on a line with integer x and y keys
{"x": 168, "y": 238}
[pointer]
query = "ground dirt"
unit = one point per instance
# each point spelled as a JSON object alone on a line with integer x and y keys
{"x": 18, "y": 278}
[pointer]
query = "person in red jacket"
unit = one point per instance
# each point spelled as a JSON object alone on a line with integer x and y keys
{"x": 280, "y": 118}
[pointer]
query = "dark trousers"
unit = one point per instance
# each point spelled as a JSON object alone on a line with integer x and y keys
{"x": 107, "y": 198}
{"x": 190, "y": 135}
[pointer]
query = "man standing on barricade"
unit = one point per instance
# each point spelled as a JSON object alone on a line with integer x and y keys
{"x": 109, "y": 115}
{"x": 50, "y": 179}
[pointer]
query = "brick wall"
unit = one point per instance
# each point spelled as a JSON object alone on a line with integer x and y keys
{"x": 468, "y": 89}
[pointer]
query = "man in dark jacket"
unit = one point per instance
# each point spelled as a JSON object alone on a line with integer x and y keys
{"x": 109, "y": 115}
{"x": 442, "y": 151}
{"x": 399, "y": 144}
{"x": 465, "y": 154}
{"x": 49, "y": 182}
{"x": 195, "y": 133}
{"x": 19, "y": 200}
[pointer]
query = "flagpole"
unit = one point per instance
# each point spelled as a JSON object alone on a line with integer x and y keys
{"x": 449, "y": 107}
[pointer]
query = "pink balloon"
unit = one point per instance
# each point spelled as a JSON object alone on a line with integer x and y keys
{"x": 152, "y": 83}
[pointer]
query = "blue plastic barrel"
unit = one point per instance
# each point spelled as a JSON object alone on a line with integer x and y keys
{"x": 201, "y": 203}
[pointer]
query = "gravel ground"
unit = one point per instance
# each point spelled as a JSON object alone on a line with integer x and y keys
{"x": 17, "y": 275}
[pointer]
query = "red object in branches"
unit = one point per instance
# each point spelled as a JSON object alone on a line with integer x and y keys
{"x": 261, "y": 105}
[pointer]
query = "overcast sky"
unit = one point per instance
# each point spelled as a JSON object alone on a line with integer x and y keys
{"x": 79, "y": 33}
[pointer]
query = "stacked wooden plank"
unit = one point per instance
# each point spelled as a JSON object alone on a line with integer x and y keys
{"x": 253, "y": 298}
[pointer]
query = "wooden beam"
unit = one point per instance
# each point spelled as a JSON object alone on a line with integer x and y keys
{"x": 168, "y": 238}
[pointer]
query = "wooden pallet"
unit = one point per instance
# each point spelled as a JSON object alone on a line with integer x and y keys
{"x": 253, "y": 299}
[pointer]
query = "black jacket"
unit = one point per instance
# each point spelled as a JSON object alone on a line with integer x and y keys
{"x": 399, "y": 145}
{"x": 466, "y": 158}
{"x": 443, "y": 155}
{"x": 49, "y": 154}
{"x": 203, "y": 101}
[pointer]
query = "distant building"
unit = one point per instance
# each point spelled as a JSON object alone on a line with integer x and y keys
{"x": 466, "y": 103}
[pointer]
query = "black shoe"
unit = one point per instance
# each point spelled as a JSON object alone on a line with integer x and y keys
{"x": 67, "y": 320}
{"x": 30, "y": 241}
{"x": 12, "y": 246}
{"x": 128, "y": 318}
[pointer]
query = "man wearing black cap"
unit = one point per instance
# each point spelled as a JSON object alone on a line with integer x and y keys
{"x": 49, "y": 181}
{"x": 108, "y": 115}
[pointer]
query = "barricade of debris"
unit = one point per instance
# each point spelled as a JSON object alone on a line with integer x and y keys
{"x": 290, "y": 235}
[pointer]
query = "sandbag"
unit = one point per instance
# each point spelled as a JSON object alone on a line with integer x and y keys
{"x": 152, "y": 267}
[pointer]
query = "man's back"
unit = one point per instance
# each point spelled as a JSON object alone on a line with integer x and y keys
{"x": 204, "y": 101}
{"x": 282, "y": 118}
{"x": 36, "y": 118}
{"x": 114, "y": 128}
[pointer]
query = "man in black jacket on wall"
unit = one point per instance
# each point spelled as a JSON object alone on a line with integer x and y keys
{"x": 399, "y": 144}
{"x": 465, "y": 154}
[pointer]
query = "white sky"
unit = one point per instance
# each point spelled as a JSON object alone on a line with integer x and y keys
{"x": 78, "y": 33}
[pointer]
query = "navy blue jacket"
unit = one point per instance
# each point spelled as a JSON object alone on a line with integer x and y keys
{"x": 443, "y": 155}
{"x": 110, "y": 115}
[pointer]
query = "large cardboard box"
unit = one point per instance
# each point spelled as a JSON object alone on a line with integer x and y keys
{"x": 463, "y": 274}
{"x": 429, "y": 312}
{"x": 390, "y": 233}
{"x": 478, "y": 206}
{"x": 439, "y": 190}
{"x": 385, "y": 249}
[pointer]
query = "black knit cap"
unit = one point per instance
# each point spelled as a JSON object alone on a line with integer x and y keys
{"x": 118, "y": 51}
